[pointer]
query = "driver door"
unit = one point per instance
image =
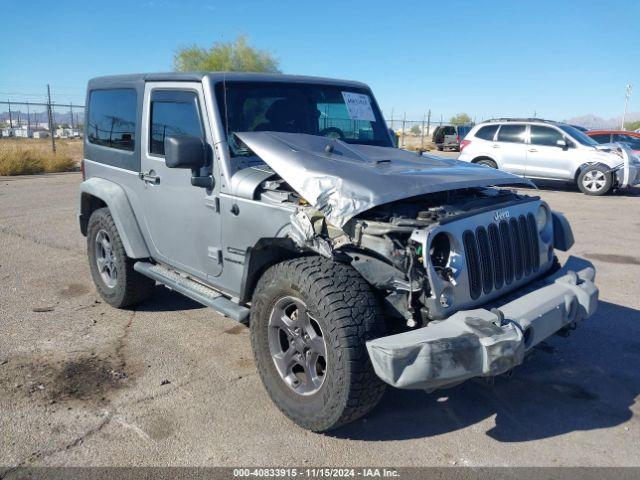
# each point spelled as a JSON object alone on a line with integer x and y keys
{"x": 547, "y": 159}
{"x": 182, "y": 221}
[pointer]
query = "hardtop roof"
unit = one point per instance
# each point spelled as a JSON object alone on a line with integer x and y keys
{"x": 113, "y": 81}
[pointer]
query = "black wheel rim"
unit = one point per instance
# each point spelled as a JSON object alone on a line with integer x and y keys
{"x": 297, "y": 346}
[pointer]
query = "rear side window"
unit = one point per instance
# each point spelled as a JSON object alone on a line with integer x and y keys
{"x": 512, "y": 133}
{"x": 545, "y": 136}
{"x": 112, "y": 118}
{"x": 449, "y": 130}
{"x": 601, "y": 138}
{"x": 487, "y": 132}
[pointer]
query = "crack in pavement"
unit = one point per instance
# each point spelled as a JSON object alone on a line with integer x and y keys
{"x": 37, "y": 241}
{"x": 39, "y": 455}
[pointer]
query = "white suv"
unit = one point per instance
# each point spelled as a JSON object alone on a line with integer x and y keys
{"x": 542, "y": 149}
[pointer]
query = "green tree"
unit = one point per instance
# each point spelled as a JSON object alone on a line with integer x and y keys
{"x": 416, "y": 130}
{"x": 236, "y": 56}
{"x": 460, "y": 119}
{"x": 632, "y": 125}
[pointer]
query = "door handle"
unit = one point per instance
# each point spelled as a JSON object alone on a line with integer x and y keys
{"x": 532, "y": 150}
{"x": 495, "y": 146}
{"x": 149, "y": 177}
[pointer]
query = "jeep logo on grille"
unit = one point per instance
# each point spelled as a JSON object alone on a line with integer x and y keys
{"x": 501, "y": 215}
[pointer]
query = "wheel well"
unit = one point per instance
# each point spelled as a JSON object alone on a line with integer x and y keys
{"x": 594, "y": 164}
{"x": 477, "y": 159}
{"x": 264, "y": 254}
{"x": 88, "y": 204}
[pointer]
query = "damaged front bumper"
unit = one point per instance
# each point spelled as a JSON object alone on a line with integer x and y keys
{"x": 480, "y": 342}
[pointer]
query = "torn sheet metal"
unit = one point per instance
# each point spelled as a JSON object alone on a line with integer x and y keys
{"x": 479, "y": 342}
{"x": 342, "y": 180}
{"x": 306, "y": 229}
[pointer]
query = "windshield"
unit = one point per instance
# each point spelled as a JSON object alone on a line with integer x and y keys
{"x": 632, "y": 142}
{"x": 347, "y": 113}
{"x": 579, "y": 136}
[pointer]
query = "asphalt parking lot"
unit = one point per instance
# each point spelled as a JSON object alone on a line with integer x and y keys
{"x": 173, "y": 383}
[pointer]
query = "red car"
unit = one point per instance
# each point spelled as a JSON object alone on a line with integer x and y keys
{"x": 632, "y": 139}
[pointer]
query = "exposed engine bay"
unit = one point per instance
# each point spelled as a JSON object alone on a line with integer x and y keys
{"x": 383, "y": 243}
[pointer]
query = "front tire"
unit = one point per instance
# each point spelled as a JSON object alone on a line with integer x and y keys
{"x": 595, "y": 180}
{"x": 310, "y": 319}
{"x": 112, "y": 271}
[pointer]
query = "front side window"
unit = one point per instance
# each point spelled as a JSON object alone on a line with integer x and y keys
{"x": 512, "y": 133}
{"x": 343, "y": 112}
{"x": 112, "y": 118}
{"x": 545, "y": 136}
{"x": 173, "y": 113}
{"x": 601, "y": 137}
{"x": 487, "y": 132}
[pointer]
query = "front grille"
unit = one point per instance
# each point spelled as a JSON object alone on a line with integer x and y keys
{"x": 499, "y": 254}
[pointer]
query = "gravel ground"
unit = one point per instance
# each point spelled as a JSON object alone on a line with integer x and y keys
{"x": 173, "y": 383}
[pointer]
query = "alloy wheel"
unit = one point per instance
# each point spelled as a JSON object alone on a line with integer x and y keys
{"x": 106, "y": 259}
{"x": 594, "y": 180}
{"x": 297, "y": 346}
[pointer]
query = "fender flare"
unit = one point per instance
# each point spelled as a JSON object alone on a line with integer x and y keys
{"x": 115, "y": 198}
{"x": 562, "y": 233}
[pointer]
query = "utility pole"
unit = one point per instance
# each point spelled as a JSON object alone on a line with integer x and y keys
{"x": 429, "y": 121}
{"x": 10, "y": 119}
{"x": 71, "y": 113}
{"x": 422, "y": 135}
{"x": 50, "y": 112}
{"x": 28, "y": 119}
{"x": 404, "y": 121}
{"x": 627, "y": 94}
{"x": 391, "y": 119}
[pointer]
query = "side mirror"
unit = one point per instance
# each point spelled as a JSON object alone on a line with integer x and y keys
{"x": 188, "y": 152}
{"x": 562, "y": 144}
{"x": 184, "y": 152}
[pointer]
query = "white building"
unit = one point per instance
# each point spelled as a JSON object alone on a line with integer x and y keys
{"x": 22, "y": 132}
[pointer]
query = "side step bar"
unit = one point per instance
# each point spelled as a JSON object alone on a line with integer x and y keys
{"x": 194, "y": 290}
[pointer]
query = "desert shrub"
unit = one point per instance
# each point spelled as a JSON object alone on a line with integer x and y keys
{"x": 21, "y": 159}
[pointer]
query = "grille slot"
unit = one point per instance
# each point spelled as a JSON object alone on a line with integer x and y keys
{"x": 496, "y": 255}
{"x": 501, "y": 253}
{"x": 471, "y": 254}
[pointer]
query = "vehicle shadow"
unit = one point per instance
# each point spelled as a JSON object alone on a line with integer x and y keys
{"x": 585, "y": 382}
{"x": 165, "y": 300}
{"x": 552, "y": 186}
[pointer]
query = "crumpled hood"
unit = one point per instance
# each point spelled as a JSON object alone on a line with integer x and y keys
{"x": 342, "y": 180}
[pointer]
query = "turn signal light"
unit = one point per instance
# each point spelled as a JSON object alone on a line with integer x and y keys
{"x": 464, "y": 143}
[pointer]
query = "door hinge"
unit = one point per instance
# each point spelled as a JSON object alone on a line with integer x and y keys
{"x": 216, "y": 254}
{"x": 213, "y": 203}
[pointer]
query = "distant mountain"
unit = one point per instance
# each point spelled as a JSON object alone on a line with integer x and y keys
{"x": 592, "y": 122}
{"x": 41, "y": 117}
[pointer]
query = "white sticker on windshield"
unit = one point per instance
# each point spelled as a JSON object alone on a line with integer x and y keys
{"x": 358, "y": 106}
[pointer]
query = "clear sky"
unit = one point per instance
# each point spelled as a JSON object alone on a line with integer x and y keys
{"x": 503, "y": 58}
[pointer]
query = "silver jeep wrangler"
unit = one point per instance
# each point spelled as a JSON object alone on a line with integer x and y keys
{"x": 280, "y": 201}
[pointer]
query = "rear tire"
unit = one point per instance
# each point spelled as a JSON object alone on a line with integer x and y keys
{"x": 440, "y": 148}
{"x": 487, "y": 162}
{"x": 595, "y": 180}
{"x": 344, "y": 313}
{"x": 112, "y": 271}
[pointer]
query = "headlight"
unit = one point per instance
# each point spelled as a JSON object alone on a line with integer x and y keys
{"x": 542, "y": 217}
